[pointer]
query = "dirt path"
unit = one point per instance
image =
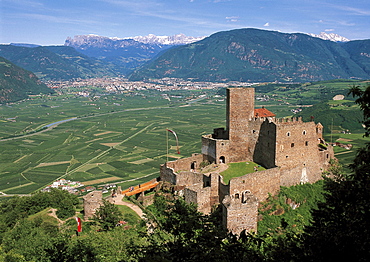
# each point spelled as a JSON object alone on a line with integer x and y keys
{"x": 53, "y": 214}
{"x": 213, "y": 168}
{"x": 118, "y": 201}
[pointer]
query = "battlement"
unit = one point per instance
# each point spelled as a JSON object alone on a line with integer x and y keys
{"x": 289, "y": 121}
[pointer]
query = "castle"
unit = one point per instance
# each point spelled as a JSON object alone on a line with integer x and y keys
{"x": 287, "y": 148}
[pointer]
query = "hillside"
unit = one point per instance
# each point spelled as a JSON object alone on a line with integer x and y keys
{"x": 359, "y": 51}
{"x": 17, "y": 83}
{"x": 258, "y": 55}
{"x": 125, "y": 54}
{"x": 55, "y": 62}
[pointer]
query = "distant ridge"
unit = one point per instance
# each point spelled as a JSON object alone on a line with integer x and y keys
{"x": 179, "y": 39}
{"x": 56, "y": 62}
{"x": 17, "y": 83}
{"x": 264, "y": 56}
{"x": 126, "y": 53}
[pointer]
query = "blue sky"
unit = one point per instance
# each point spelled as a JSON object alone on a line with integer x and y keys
{"x": 50, "y": 22}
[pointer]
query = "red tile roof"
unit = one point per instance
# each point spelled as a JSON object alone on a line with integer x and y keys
{"x": 263, "y": 112}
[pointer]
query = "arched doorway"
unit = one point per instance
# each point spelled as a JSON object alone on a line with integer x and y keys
{"x": 222, "y": 160}
{"x": 193, "y": 165}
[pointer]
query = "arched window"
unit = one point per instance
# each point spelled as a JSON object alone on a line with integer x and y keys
{"x": 304, "y": 132}
{"x": 288, "y": 134}
{"x": 292, "y": 145}
{"x": 306, "y": 143}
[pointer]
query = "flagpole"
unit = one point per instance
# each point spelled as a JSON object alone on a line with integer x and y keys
{"x": 167, "y": 145}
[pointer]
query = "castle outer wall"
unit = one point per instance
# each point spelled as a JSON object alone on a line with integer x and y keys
{"x": 287, "y": 148}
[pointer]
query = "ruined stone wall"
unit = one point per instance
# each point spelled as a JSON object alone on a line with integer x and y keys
{"x": 167, "y": 174}
{"x": 215, "y": 150}
{"x": 220, "y": 133}
{"x": 239, "y": 110}
{"x": 186, "y": 164}
{"x": 262, "y": 132}
{"x": 146, "y": 200}
{"x": 187, "y": 178}
{"x": 209, "y": 148}
{"x": 240, "y": 213}
{"x": 258, "y": 183}
{"x": 215, "y": 189}
{"x": 199, "y": 195}
{"x": 92, "y": 201}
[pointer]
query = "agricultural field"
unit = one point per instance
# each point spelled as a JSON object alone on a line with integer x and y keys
{"x": 121, "y": 138}
{"x": 124, "y": 143}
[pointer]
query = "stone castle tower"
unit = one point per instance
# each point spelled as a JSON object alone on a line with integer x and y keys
{"x": 288, "y": 148}
{"x": 92, "y": 201}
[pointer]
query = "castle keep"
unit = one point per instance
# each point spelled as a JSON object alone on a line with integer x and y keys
{"x": 287, "y": 148}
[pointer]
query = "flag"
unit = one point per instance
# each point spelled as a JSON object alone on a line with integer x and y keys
{"x": 177, "y": 140}
{"x": 79, "y": 224}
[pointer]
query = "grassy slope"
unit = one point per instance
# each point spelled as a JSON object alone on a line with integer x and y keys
{"x": 17, "y": 83}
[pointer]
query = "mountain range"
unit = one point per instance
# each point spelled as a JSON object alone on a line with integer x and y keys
{"x": 56, "y": 62}
{"x": 259, "y": 55}
{"x": 126, "y": 54}
{"x": 17, "y": 83}
{"x": 241, "y": 54}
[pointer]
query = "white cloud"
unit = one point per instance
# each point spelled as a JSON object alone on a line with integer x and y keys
{"x": 355, "y": 11}
{"x": 267, "y": 24}
{"x": 329, "y": 30}
{"x": 232, "y": 18}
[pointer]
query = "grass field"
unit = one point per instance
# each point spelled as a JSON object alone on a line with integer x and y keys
{"x": 99, "y": 147}
{"x": 239, "y": 169}
{"x": 121, "y": 138}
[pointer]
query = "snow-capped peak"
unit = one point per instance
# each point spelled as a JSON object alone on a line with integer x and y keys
{"x": 331, "y": 36}
{"x": 179, "y": 39}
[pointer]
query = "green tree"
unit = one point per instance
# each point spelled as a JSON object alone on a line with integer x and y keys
{"x": 181, "y": 233}
{"x": 341, "y": 226}
{"x": 107, "y": 216}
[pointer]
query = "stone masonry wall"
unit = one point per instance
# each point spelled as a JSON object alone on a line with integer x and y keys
{"x": 187, "y": 178}
{"x": 240, "y": 213}
{"x": 240, "y": 109}
{"x": 296, "y": 143}
{"x": 186, "y": 164}
{"x": 201, "y": 195}
{"x": 259, "y": 183}
{"x": 215, "y": 149}
{"x": 168, "y": 174}
{"x": 92, "y": 201}
{"x": 263, "y": 141}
